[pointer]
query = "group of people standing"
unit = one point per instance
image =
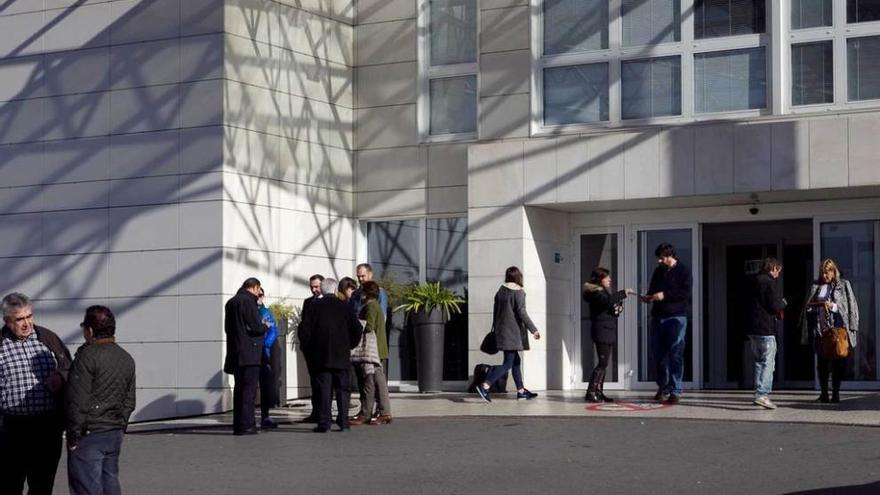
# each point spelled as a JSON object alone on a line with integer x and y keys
{"x": 45, "y": 394}
{"x": 830, "y": 312}
{"x": 342, "y": 333}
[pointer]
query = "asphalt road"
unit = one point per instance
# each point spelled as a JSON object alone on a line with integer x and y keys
{"x": 506, "y": 455}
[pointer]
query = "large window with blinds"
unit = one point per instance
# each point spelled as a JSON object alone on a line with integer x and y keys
{"x": 448, "y": 67}
{"x": 610, "y": 63}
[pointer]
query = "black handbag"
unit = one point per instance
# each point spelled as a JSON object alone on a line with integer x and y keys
{"x": 490, "y": 343}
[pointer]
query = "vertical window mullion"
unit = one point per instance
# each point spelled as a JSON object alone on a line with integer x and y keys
{"x": 687, "y": 59}
{"x": 839, "y": 52}
{"x": 615, "y": 34}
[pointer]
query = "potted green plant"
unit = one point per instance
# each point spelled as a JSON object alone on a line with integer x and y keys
{"x": 429, "y": 306}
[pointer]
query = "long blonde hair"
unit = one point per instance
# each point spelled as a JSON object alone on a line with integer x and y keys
{"x": 829, "y": 266}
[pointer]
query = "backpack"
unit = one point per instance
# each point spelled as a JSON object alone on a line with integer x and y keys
{"x": 481, "y": 371}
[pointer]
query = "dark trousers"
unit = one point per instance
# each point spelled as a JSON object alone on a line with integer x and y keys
{"x": 244, "y": 397}
{"x": 93, "y": 467}
{"x": 511, "y": 363}
{"x": 834, "y": 368}
{"x": 327, "y": 380}
{"x": 30, "y": 447}
{"x": 268, "y": 388}
{"x": 597, "y": 379}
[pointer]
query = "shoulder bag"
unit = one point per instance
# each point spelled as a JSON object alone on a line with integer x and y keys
{"x": 490, "y": 343}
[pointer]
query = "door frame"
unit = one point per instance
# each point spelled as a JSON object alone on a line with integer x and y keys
{"x": 576, "y": 380}
{"x": 633, "y": 256}
{"x": 818, "y": 220}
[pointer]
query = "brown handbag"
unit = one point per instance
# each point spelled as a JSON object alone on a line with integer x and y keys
{"x": 835, "y": 343}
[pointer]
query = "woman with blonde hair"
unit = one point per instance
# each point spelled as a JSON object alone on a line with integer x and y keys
{"x": 831, "y": 303}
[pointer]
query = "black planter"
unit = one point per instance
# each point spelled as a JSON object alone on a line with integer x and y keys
{"x": 428, "y": 330}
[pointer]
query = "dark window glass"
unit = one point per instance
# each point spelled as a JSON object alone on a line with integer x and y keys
{"x": 651, "y": 87}
{"x": 575, "y": 25}
{"x": 863, "y": 68}
{"x": 810, "y": 13}
{"x": 576, "y": 94}
{"x": 812, "y": 73}
{"x": 714, "y": 18}
{"x": 862, "y": 11}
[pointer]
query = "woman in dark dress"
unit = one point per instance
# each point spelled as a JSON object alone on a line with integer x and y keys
{"x": 605, "y": 307}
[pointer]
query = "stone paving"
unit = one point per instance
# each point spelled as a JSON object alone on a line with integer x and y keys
{"x": 855, "y": 408}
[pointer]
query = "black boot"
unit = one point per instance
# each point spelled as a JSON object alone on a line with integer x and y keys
{"x": 823, "y": 395}
{"x": 592, "y": 388}
{"x": 601, "y": 388}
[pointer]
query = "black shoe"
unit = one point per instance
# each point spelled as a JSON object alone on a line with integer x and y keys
{"x": 249, "y": 431}
{"x": 823, "y": 398}
{"x": 672, "y": 400}
{"x": 592, "y": 397}
{"x": 483, "y": 393}
{"x": 526, "y": 394}
{"x": 835, "y": 398}
{"x": 311, "y": 418}
{"x": 268, "y": 424}
{"x": 661, "y": 396}
{"x": 603, "y": 397}
{"x": 320, "y": 429}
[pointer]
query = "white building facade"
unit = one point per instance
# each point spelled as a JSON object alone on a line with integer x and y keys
{"x": 157, "y": 152}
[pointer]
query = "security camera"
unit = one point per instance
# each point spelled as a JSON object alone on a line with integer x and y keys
{"x": 754, "y": 210}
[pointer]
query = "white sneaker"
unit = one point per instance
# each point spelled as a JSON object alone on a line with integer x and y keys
{"x": 765, "y": 402}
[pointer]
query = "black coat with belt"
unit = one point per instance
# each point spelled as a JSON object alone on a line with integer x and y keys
{"x": 330, "y": 330}
{"x": 604, "y": 310}
{"x": 244, "y": 331}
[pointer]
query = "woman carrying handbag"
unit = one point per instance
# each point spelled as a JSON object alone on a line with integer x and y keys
{"x": 830, "y": 321}
{"x": 367, "y": 360}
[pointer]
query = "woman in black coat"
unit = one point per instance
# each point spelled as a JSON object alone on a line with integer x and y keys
{"x": 510, "y": 322}
{"x": 605, "y": 307}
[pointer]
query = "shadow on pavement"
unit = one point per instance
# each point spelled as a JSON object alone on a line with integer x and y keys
{"x": 869, "y": 488}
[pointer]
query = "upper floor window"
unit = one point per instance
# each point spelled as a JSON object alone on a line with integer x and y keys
{"x": 604, "y": 62}
{"x": 448, "y": 63}
{"x": 834, "y": 54}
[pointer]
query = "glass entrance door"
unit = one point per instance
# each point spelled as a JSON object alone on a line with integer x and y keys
{"x": 684, "y": 238}
{"x": 596, "y": 249}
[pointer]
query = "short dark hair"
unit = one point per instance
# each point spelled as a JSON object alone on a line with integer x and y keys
{"x": 367, "y": 266}
{"x": 769, "y": 263}
{"x": 512, "y": 274}
{"x": 101, "y": 320}
{"x": 598, "y": 274}
{"x": 346, "y": 283}
{"x": 370, "y": 290}
{"x": 664, "y": 249}
{"x": 251, "y": 283}
{"x": 316, "y": 276}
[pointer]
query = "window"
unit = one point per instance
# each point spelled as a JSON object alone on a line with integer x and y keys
{"x": 730, "y": 80}
{"x": 863, "y": 68}
{"x": 648, "y": 22}
{"x": 576, "y": 93}
{"x": 432, "y": 249}
{"x": 810, "y": 13}
{"x": 602, "y": 63}
{"x": 812, "y": 73}
{"x": 448, "y": 55}
{"x": 715, "y": 18}
{"x": 651, "y": 87}
{"x": 862, "y": 11}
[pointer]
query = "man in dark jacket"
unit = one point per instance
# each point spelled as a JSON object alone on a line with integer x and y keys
{"x": 315, "y": 288}
{"x": 100, "y": 400}
{"x": 244, "y": 350}
{"x": 765, "y": 306}
{"x": 329, "y": 332}
{"x": 670, "y": 294}
{"x": 34, "y": 365}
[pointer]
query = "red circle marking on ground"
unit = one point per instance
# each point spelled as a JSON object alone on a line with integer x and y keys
{"x": 626, "y": 406}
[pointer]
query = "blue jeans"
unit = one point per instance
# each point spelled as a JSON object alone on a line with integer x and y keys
{"x": 668, "y": 346}
{"x": 764, "y": 350}
{"x": 93, "y": 467}
{"x": 511, "y": 362}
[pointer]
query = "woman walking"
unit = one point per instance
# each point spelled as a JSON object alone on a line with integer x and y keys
{"x": 367, "y": 359}
{"x": 510, "y": 323}
{"x": 831, "y": 304}
{"x": 605, "y": 308}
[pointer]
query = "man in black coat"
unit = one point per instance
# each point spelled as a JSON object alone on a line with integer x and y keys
{"x": 330, "y": 330}
{"x": 315, "y": 288}
{"x": 765, "y": 306}
{"x": 244, "y": 349}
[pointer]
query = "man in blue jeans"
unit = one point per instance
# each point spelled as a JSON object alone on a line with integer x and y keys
{"x": 670, "y": 295}
{"x": 765, "y": 307}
